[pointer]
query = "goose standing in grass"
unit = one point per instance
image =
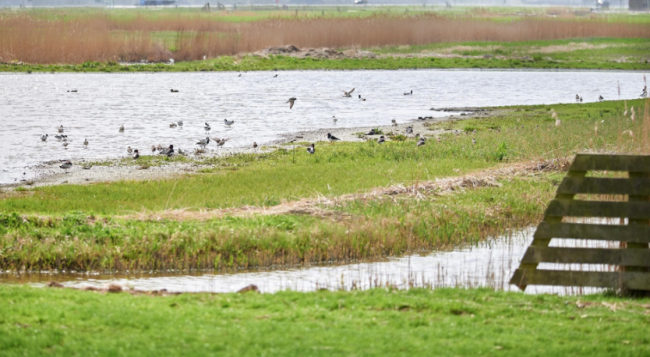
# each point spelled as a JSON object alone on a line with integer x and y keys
{"x": 332, "y": 138}
{"x": 129, "y": 150}
{"x": 122, "y": 128}
{"x": 203, "y": 143}
{"x": 394, "y": 122}
{"x": 421, "y": 141}
{"x": 86, "y": 143}
{"x": 228, "y": 122}
{"x": 381, "y": 140}
{"x": 409, "y": 93}
{"x": 311, "y": 149}
{"x": 168, "y": 151}
{"x": 66, "y": 165}
{"x": 600, "y": 98}
{"x": 136, "y": 154}
{"x": 291, "y": 101}
{"x": 348, "y": 94}
{"x": 61, "y": 129}
{"x": 44, "y": 137}
{"x": 207, "y": 127}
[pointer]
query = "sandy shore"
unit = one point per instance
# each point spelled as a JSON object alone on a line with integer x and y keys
{"x": 49, "y": 173}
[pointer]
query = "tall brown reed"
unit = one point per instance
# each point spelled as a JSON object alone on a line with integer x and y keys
{"x": 98, "y": 37}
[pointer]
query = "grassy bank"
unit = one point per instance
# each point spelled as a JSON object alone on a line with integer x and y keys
{"x": 160, "y": 224}
{"x": 445, "y": 322}
{"x": 579, "y": 53}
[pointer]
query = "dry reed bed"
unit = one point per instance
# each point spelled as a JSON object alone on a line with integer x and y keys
{"x": 101, "y": 38}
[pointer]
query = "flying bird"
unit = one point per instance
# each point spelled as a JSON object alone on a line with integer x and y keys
{"x": 348, "y": 94}
{"x": 291, "y": 101}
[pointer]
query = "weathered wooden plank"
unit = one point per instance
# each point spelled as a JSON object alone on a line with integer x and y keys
{"x": 573, "y": 208}
{"x": 624, "y": 280}
{"x": 625, "y": 257}
{"x": 634, "y": 233}
{"x": 593, "y": 162}
{"x": 607, "y": 186}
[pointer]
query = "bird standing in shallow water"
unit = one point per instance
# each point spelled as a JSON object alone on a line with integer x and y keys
{"x": 291, "y": 101}
{"x": 207, "y": 127}
{"x": 86, "y": 143}
{"x": 334, "y": 119}
{"x": 577, "y": 98}
{"x": 61, "y": 129}
{"x": 129, "y": 150}
{"x": 644, "y": 93}
{"x": 180, "y": 123}
{"x": 394, "y": 122}
{"x": 228, "y": 122}
{"x": 172, "y": 125}
{"x": 122, "y": 128}
{"x": 311, "y": 149}
{"x": 44, "y": 137}
{"x": 65, "y": 143}
{"x": 254, "y": 145}
{"x": 203, "y": 143}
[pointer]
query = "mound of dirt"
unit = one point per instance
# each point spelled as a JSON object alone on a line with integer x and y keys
{"x": 281, "y": 50}
{"x": 321, "y": 53}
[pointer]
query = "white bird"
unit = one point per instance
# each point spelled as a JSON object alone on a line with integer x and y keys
{"x": 203, "y": 143}
{"x": 171, "y": 61}
{"x": 228, "y": 122}
{"x": 61, "y": 129}
{"x": 129, "y": 150}
{"x": 558, "y": 122}
{"x": 44, "y": 137}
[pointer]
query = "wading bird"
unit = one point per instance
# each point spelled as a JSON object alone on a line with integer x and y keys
{"x": 394, "y": 122}
{"x": 644, "y": 93}
{"x": 86, "y": 143}
{"x": 207, "y": 127}
{"x": 203, "y": 143}
{"x": 122, "y": 128}
{"x": 600, "y": 98}
{"x": 228, "y": 122}
{"x": 174, "y": 90}
{"x": 172, "y": 125}
{"x": 129, "y": 150}
{"x": 44, "y": 137}
{"x": 66, "y": 165}
{"x": 60, "y": 137}
{"x": 334, "y": 119}
{"x": 180, "y": 123}
{"x": 61, "y": 129}
{"x": 167, "y": 151}
{"x": 254, "y": 145}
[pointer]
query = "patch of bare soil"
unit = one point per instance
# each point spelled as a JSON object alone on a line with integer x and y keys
{"x": 321, "y": 53}
{"x": 320, "y": 206}
{"x": 573, "y": 46}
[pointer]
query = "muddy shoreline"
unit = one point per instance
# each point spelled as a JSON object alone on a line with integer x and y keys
{"x": 81, "y": 172}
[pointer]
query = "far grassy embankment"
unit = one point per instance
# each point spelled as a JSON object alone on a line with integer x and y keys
{"x": 164, "y": 224}
{"x": 444, "y": 322}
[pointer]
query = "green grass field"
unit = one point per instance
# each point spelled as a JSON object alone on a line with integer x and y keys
{"x": 444, "y": 322}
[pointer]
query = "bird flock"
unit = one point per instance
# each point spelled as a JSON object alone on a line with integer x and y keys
{"x": 220, "y": 142}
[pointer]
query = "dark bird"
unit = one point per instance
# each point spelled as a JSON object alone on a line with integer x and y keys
{"x": 362, "y": 99}
{"x": 122, "y": 128}
{"x": 381, "y": 140}
{"x": 409, "y": 130}
{"x": 421, "y": 141}
{"x": 276, "y": 76}
{"x": 291, "y": 101}
{"x": 207, "y": 127}
{"x": 86, "y": 143}
{"x": 394, "y": 122}
{"x": 311, "y": 149}
{"x": 644, "y": 93}
{"x": 332, "y": 138}
{"x": 44, "y": 137}
{"x": 600, "y": 98}
{"x": 174, "y": 90}
{"x": 136, "y": 154}
{"x": 371, "y": 132}
{"x": 254, "y": 145}
{"x": 168, "y": 151}
{"x": 409, "y": 93}
{"x": 348, "y": 94}
{"x": 577, "y": 98}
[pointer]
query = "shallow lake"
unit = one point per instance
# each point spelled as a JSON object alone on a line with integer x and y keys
{"x": 35, "y": 104}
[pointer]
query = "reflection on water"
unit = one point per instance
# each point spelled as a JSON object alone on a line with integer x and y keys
{"x": 36, "y": 104}
{"x": 488, "y": 264}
